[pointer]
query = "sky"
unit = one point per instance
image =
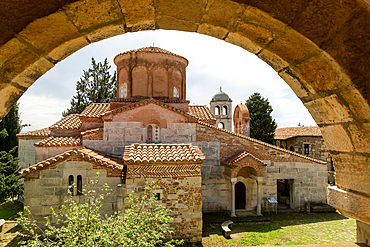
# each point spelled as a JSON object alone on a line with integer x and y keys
{"x": 213, "y": 63}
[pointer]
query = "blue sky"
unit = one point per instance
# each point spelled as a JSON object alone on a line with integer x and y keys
{"x": 212, "y": 63}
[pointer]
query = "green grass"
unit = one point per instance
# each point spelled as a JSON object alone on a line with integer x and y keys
{"x": 281, "y": 229}
{"x": 6, "y": 214}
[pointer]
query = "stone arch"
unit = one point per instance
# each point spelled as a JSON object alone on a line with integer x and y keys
{"x": 160, "y": 82}
{"x": 319, "y": 49}
{"x": 140, "y": 81}
{"x": 248, "y": 166}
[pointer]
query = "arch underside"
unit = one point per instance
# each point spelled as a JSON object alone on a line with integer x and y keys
{"x": 320, "y": 48}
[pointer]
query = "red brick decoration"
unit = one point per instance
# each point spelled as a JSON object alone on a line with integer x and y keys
{"x": 245, "y": 159}
{"x": 165, "y": 171}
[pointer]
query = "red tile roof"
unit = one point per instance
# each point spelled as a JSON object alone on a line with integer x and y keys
{"x": 235, "y": 159}
{"x": 45, "y": 132}
{"x": 55, "y": 141}
{"x": 202, "y": 112}
{"x": 262, "y": 143}
{"x": 146, "y": 102}
{"x": 84, "y": 153}
{"x": 150, "y": 49}
{"x": 95, "y": 110}
{"x": 157, "y": 153}
{"x": 290, "y": 132}
{"x": 70, "y": 122}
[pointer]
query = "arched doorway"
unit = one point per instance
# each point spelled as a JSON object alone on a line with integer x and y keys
{"x": 239, "y": 195}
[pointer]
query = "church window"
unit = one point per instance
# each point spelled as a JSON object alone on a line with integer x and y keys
{"x": 79, "y": 185}
{"x": 221, "y": 125}
{"x": 217, "y": 110}
{"x": 70, "y": 183}
{"x": 291, "y": 148}
{"x": 123, "y": 91}
{"x": 306, "y": 148}
{"x": 224, "y": 110}
{"x": 158, "y": 196}
{"x": 153, "y": 133}
{"x": 176, "y": 92}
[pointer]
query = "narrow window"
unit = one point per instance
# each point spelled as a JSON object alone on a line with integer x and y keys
{"x": 224, "y": 110}
{"x": 306, "y": 148}
{"x": 79, "y": 185}
{"x": 70, "y": 183}
{"x": 150, "y": 133}
{"x": 217, "y": 110}
{"x": 221, "y": 125}
{"x": 291, "y": 148}
{"x": 158, "y": 196}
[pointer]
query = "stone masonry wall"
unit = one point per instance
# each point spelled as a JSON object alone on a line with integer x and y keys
{"x": 216, "y": 190}
{"x": 183, "y": 196}
{"x": 310, "y": 181}
{"x": 51, "y": 186}
{"x": 26, "y": 152}
{"x": 318, "y": 148}
{"x": 117, "y": 135}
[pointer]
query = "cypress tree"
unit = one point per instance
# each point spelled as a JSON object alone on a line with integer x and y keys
{"x": 96, "y": 85}
{"x": 262, "y": 125}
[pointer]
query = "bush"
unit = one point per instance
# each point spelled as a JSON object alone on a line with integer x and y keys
{"x": 143, "y": 223}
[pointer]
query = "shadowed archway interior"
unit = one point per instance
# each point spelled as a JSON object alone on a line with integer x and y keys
{"x": 320, "y": 48}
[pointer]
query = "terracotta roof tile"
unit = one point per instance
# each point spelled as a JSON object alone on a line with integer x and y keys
{"x": 55, "y": 141}
{"x": 146, "y": 102}
{"x": 150, "y": 49}
{"x": 262, "y": 143}
{"x": 95, "y": 110}
{"x": 70, "y": 122}
{"x": 201, "y": 112}
{"x": 85, "y": 153}
{"x": 45, "y": 132}
{"x": 92, "y": 131}
{"x": 157, "y": 153}
{"x": 236, "y": 158}
{"x": 290, "y": 132}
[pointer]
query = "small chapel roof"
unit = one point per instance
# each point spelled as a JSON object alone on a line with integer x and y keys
{"x": 95, "y": 110}
{"x": 57, "y": 141}
{"x": 70, "y": 122}
{"x": 157, "y": 153}
{"x": 202, "y": 112}
{"x": 84, "y": 153}
{"x": 221, "y": 96}
{"x": 290, "y": 132}
{"x": 45, "y": 132}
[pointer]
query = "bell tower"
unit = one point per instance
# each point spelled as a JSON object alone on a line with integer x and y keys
{"x": 221, "y": 106}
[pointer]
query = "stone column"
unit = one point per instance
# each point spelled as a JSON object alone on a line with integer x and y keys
{"x": 259, "y": 197}
{"x": 233, "y": 199}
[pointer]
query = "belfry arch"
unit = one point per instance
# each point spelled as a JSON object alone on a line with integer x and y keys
{"x": 320, "y": 49}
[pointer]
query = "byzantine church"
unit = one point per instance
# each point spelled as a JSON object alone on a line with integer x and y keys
{"x": 151, "y": 132}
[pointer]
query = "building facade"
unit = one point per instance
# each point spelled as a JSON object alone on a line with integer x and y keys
{"x": 151, "y": 133}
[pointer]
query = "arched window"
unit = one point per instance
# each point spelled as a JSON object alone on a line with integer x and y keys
{"x": 221, "y": 125}
{"x": 224, "y": 110}
{"x": 291, "y": 148}
{"x": 153, "y": 133}
{"x": 217, "y": 110}
{"x": 70, "y": 183}
{"x": 79, "y": 185}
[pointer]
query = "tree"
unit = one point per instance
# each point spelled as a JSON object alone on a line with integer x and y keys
{"x": 263, "y": 126}
{"x": 10, "y": 126}
{"x": 10, "y": 179}
{"x": 144, "y": 222}
{"x": 96, "y": 85}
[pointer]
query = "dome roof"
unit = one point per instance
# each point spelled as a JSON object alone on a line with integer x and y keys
{"x": 221, "y": 96}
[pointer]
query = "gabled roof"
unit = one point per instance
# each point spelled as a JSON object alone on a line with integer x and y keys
{"x": 70, "y": 122}
{"x": 95, "y": 110}
{"x": 45, "y": 132}
{"x": 290, "y": 132}
{"x": 262, "y": 143}
{"x": 84, "y": 153}
{"x": 202, "y": 112}
{"x": 157, "y": 153}
{"x": 234, "y": 159}
{"x": 58, "y": 141}
{"x": 147, "y": 102}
